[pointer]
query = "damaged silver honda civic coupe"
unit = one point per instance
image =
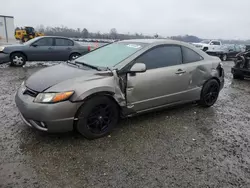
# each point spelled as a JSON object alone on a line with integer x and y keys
{"x": 121, "y": 79}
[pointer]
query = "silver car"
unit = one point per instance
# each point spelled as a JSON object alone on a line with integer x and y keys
{"x": 121, "y": 79}
{"x": 46, "y": 48}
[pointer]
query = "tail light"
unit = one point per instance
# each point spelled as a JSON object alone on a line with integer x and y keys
{"x": 89, "y": 49}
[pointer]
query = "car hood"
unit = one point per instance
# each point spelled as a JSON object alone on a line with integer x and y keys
{"x": 48, "y": 77}
{"x": 12, "y": 45}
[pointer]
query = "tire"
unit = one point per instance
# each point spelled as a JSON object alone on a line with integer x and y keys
{"x": 209, "y": 93}
{"x": 238, "y": 77}
{"x": 74, "y": 56}
{"x": 17, "y": 59}
{"x": 25, "y": 39}
{"x": 205, "y": 49}
{"x": 97, "y": 117}
{"x": 224, "y": 57}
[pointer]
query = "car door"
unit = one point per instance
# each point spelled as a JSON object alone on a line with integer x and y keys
{"x": 164, "y": 81}
{"x": 41, "y": 50}
{"x": 215, "y": 46}
{"x": 63, "y": 49}
{"x": 195, "y": 67}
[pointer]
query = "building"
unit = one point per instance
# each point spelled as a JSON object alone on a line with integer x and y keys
{"x": 7, "y": 29}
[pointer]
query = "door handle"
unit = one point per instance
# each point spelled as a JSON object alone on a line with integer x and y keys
{"x": 69, "y": 48}
{"x": 50, "y": 48}
{"x": 180, "y": 71}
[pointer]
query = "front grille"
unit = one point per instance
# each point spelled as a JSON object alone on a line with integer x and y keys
{"x": 30, "y": 92}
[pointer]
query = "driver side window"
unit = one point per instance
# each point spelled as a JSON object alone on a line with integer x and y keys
{"x": 162, "y": 56}
{"x": 215, "y": 43}
{"x": 44, "y": 42}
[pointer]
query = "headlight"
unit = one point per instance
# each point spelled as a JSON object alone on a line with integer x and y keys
{"x": 53, "y": 97}
{"x": 1, "y": 48}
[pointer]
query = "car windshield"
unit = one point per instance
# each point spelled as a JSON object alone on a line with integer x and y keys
{"x": 110, "y": 55}
{"x": 205, "y": 41}
{"x": 31, "y": 41}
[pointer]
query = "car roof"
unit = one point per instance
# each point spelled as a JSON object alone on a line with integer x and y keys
{"x": 155, "y": 42}
{"x": 150, "y": 41}
{"x": 162, "y": 41}
{"x": 53, "y": 37}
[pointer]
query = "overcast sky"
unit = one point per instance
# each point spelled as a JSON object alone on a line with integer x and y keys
{"x": 225, "y": 19}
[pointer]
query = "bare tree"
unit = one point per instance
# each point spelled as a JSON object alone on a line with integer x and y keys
{"x": 113, "y": 33}
{"x": 85, "y": 33}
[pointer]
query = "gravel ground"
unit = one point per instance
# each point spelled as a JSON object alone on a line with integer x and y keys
{"x": 188, "y": 146}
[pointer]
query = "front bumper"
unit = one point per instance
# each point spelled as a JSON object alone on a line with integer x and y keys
{"x": 4, "y": 58}
{"x": 58, "y": 117}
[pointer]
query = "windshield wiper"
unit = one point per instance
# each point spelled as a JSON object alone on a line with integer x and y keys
{"x": 109, "y": 69}
{"x": 73, "y": 63}
{"x": 88, "y": 65}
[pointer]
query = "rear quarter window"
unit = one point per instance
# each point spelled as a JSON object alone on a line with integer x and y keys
{"x": 63, "y": 42}
{"x": 190, "y": 56}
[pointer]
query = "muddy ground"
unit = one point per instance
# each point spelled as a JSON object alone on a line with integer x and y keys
{"x": 188, "y": 146}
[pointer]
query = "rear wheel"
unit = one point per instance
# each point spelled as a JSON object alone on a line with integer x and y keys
{"x": 224, "y": 57}
{"x": 205, "y": 49}
{"x": 97, "y": 117}
{"x": 209, "y": 93}
{"x": 17, "y": 59}
{"x": 74, "y": 56}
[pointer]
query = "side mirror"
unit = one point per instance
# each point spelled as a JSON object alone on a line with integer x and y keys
{"x": 138, "y": 67}
{"x": 34, "y": 45}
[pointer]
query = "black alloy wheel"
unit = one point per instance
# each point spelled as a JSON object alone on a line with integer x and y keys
{"x": 97, "y": 117}
{"x": 210, "y": 93}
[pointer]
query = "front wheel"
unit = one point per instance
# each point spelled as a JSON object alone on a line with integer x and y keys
{"x": 209, "y": 93}
{"x": 17, "y": 59}
{"x": 97, "y": 117}
{"x": 74, "y": 56}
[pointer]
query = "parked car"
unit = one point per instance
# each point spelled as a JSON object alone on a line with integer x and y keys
{"x": 213, "y": 47}
{"x": 46, "y": 48}
{"x": 234, "y": 49}
{"x": 121, "y": 79}
{"x": 241, "y": 69}
{"x": 247, "y": 47}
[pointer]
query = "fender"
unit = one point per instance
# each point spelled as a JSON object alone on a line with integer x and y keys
{"x": 112, "y": 87}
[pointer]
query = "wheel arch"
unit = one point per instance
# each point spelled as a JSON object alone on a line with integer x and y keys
{"x": 102, "y": 93}
{"x": 108, "y": 94}
{"x": 212, "y": 78}
{"x": 21, "y": 52}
